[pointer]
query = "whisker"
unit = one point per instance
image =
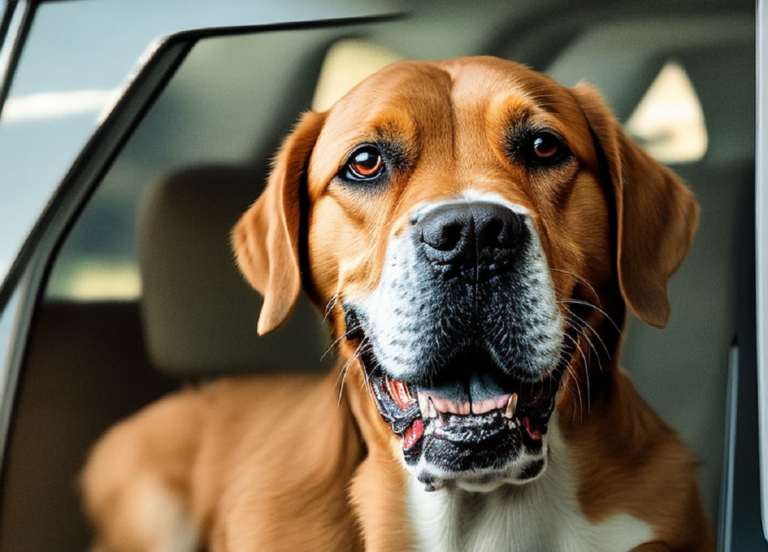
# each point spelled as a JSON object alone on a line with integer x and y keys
{"x": 580, "y": 331}
{"x": 336, "y": 342}
{"x": 582, "y": 323}
{"x": 342, "y": 378}
{"x": 578, "y": 394}
{"x": 564, "y": 366}
{"x": 575, "y": 393}
{"x": 330, "y": 306}
{"x": 345, "y": 369}
{"x": 586, "y": 373}
{"x": 367, "y": 382}
{"x": 588, "y": 304}
{"x": 582, "y": 280}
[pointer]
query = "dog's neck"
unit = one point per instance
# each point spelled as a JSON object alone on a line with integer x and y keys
{"x": 541, "y": 516}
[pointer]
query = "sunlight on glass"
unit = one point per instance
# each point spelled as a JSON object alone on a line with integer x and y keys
{"x": 50, "y": 105}
{"x": 669, "y": 121}
{"x": 347, "y": 63}
{"x": 92, "y": 281}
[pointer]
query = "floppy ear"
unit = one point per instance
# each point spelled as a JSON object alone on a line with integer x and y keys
{"x": 266, "y": 238}
{"x": 656, "y": 214}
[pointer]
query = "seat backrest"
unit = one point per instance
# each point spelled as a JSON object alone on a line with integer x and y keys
{"x": 199, "y": 314}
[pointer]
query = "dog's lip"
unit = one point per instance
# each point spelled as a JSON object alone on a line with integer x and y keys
{"x": 417, "y": 414}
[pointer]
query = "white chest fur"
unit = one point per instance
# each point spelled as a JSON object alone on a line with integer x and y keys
{"x": 541, "y": 516}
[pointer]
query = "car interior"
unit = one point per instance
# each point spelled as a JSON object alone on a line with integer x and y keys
{"x": 143, "y": 295}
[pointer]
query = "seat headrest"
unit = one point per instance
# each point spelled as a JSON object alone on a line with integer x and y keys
{"x": 199, "y": 314}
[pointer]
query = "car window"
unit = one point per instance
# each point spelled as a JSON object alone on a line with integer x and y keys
{"x": 148, "y": 256}
{"x": 212, "y": 113}
{"x": 669, "y": 120}
{"x": 78, "y": 57}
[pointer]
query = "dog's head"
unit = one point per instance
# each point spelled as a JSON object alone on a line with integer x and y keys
{"x": 474, "y": 231}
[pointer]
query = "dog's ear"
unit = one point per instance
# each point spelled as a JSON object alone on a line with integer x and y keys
{"x": 656, "y": 214}
{"x": 266, "y": 239}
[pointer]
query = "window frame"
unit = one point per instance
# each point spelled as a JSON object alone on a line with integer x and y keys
{"x": 14, "y": 28}
{"x": 761, "y": 248}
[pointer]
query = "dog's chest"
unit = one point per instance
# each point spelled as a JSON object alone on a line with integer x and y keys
{"x": 541, "y": 516}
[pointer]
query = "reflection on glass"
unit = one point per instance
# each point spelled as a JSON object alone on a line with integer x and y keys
{"x": 347, "y": 63}
{"x": 669, "y": 121}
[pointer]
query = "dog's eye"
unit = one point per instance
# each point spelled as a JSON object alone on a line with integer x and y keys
{"x": 365, "y": 163}
{"x": 545, "y": 147}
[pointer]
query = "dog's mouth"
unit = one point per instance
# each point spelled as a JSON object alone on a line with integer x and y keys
{"x": 474, "y": 418}
{"x": 419, "y": 414}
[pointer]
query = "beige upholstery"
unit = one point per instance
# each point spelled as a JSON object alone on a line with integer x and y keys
{"x": 199, "y": 314}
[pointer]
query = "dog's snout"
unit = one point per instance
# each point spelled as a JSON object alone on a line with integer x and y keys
{"x": 477, "y": 233}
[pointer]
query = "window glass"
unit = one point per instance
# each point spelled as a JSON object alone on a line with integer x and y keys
{"x": 78, "y": 56}
{"x": 669, "y": 121}
{"x": 212, "y": 113}
{"x": 347, "y": 63}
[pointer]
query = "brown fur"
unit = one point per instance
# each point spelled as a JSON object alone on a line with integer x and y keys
{"x": 259, "y": 476}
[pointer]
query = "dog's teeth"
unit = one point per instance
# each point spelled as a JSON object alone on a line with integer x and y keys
{"x": 441, "y": 405}
{"x": 424, "y": 404}
{"x": 431, "y": 412}
{"x": 511, "y": 406}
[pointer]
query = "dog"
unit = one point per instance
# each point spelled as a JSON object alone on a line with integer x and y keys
{"x": 475, "y": 234}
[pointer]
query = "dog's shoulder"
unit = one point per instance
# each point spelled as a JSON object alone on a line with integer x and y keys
{"x": 230, "y": 454}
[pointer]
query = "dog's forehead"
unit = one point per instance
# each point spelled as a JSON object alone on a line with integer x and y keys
{"x": 421, "y": 88}
{"x": 406, "y": 99}
{"x": 423, "y": 102}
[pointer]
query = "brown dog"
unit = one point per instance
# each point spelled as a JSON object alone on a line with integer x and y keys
{"x": 475, "y": 232}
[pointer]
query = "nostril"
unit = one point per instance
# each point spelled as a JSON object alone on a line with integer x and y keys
{"x": 496, "y": 226}
{"x": 443, "y": 237}
{"x": 493, "y": 234}
{"x": 499, "y": 229}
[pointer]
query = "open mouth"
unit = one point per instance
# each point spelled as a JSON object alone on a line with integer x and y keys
{"x": 418, "y": 414}
{"x": 474, "y": 417}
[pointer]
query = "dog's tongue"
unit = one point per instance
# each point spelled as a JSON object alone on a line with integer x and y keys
{"x": 533, "y": 431}
{"x": 413, "y": 434}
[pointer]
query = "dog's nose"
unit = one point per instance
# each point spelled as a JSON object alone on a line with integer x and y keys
{"x": 481, "y": 234}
